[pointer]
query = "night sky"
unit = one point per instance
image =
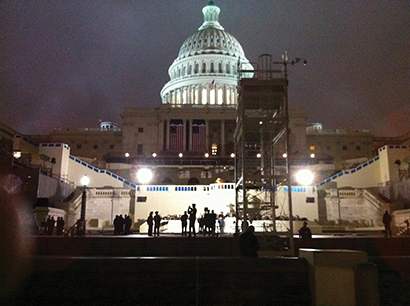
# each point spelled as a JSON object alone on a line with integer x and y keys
{"x": 73, "y": 63}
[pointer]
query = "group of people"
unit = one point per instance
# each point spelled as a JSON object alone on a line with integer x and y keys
{"x": 51, "y": 223}
{"x": 122, "y": 225}
{"x": 206, "y": 222}
{"x": 154, "y": 222}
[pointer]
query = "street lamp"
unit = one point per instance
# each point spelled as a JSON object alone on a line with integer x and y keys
{"x": 81, "y": 223}
{"x": 144, "y": 175}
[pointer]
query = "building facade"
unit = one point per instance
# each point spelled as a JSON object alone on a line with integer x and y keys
{"x": 188, "y": 138}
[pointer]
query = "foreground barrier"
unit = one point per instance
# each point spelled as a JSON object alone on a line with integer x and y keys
{"x": 166, "y": 281}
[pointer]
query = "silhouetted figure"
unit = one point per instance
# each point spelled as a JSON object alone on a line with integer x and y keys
{"x": 50, "y": 225}
{"x": 387, "y": 222}
{"x": 116, "y": 225}
{"x": 248, "y": 243}
{"x": 121, "y": 223}
{"x": 221, "y": 224}
{"x": 184, "y": 223}
{"x": 150, "y": 222}
{"x": 206, "y": 223}
{"x": 127, "y": 224}
{"x": 212, "y": 220}
{"x": 192, "y": 218}
{"x": 60, "y": 226}
{"x": 304, "y": 231}
{"x": 157, "y": 223}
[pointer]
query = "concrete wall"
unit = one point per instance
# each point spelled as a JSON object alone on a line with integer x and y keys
{"x": 388, "y": 155}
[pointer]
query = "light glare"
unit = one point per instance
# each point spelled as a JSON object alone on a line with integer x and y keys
{"x": 304, "y": 177}
{"x": 144, "y": 175}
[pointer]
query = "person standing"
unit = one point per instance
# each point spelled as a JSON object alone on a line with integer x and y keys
{"x": 212, "y": 223}
{"x": 387, "y": 221}
{"x": 121, "y": 223}
{"x": 184, "y": 223}
{"x": 50, "y": 225}
{"x": 304, "y": 231}
{"x": 127, "y": 224}
{"x": 157, "y": 223}
{"x": 60, "y": 226}
{"x": 150, "y": 222}
{"x": 192, "y": 219}
{"x": 248, "y": 243}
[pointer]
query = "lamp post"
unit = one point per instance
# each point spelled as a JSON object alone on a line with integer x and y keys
{"x": 81, "y": 223}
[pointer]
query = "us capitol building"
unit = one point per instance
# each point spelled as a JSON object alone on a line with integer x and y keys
{"x": 189, "y": 138}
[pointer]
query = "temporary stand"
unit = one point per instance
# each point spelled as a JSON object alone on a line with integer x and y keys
{"x": 262, "y": 151}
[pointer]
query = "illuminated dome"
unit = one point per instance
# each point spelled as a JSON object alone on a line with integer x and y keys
{"x": 205, "y": 71}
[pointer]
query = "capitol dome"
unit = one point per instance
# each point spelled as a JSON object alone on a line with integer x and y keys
{"x": 205, "y": 71}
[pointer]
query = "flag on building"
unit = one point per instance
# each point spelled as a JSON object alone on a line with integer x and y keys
{"x": 198, "y": 135}
{"x": 212, "y": 85}
{"x": 176, "y": 135}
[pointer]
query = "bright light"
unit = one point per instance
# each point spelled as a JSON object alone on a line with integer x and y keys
{"x": 258, "y": 155}
{"x": 304, "y": 177}
{"x": 127, "y": 154}
{"x": 144, "y": 175}
{"x": 232, "y": 155}
{"x": 285, "y": 155}
{"x": 260, "y": 122}
{"x": 154, "y": 154}
{"x": 17, "y": 154}
{"x": 85, "y": 180}
{"x": 312, "y": 155}
{"x": 206, "y": 155}
{"x": 180, "y": 154}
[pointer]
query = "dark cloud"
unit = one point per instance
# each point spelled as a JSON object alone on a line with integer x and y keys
{"x": 71, "y": 63}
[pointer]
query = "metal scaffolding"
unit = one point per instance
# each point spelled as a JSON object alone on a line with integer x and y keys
{"x": 262, "y": 149}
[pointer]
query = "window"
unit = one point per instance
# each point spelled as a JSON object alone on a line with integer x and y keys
{"x": 310, "y": 200}
{"x": 95, "y": 147}
{"x": 344, "y": 148}
{"x": 139, "y": 149}
{"x": 214, "y": 149}
{"x": 358, "y": 148}
{"x": 79, "y": 146}
{"x": 141, "y": 199}
{"x": 312, "y": 148}
{"x": 328, "y": 148}
{"x": 112, "y": 147}
{"x": 140, "y": 130}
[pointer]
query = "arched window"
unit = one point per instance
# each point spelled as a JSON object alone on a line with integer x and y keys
{"x": 193, "y": 181}
{"x": 220, "y": 67}
{"x": 203, "y": 67}
{"x": 189, "y": 69}
{"x": 220, "y": 96}
{"x": 227, "y": 69}
{"x": 212, "y": 96}
{"x": 196, "y": 68}
{"x": 196, "y": 96}
{"x": 204, "y": 96}
{"x": 212, "y": 68}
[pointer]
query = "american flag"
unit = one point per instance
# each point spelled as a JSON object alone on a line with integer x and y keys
{"x": 212, "y": 85}
{"x": 176, "y": 135}
{"x": 198, "y": 135}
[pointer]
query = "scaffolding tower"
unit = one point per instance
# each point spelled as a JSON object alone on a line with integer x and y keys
{"x": 262, "y": 149}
